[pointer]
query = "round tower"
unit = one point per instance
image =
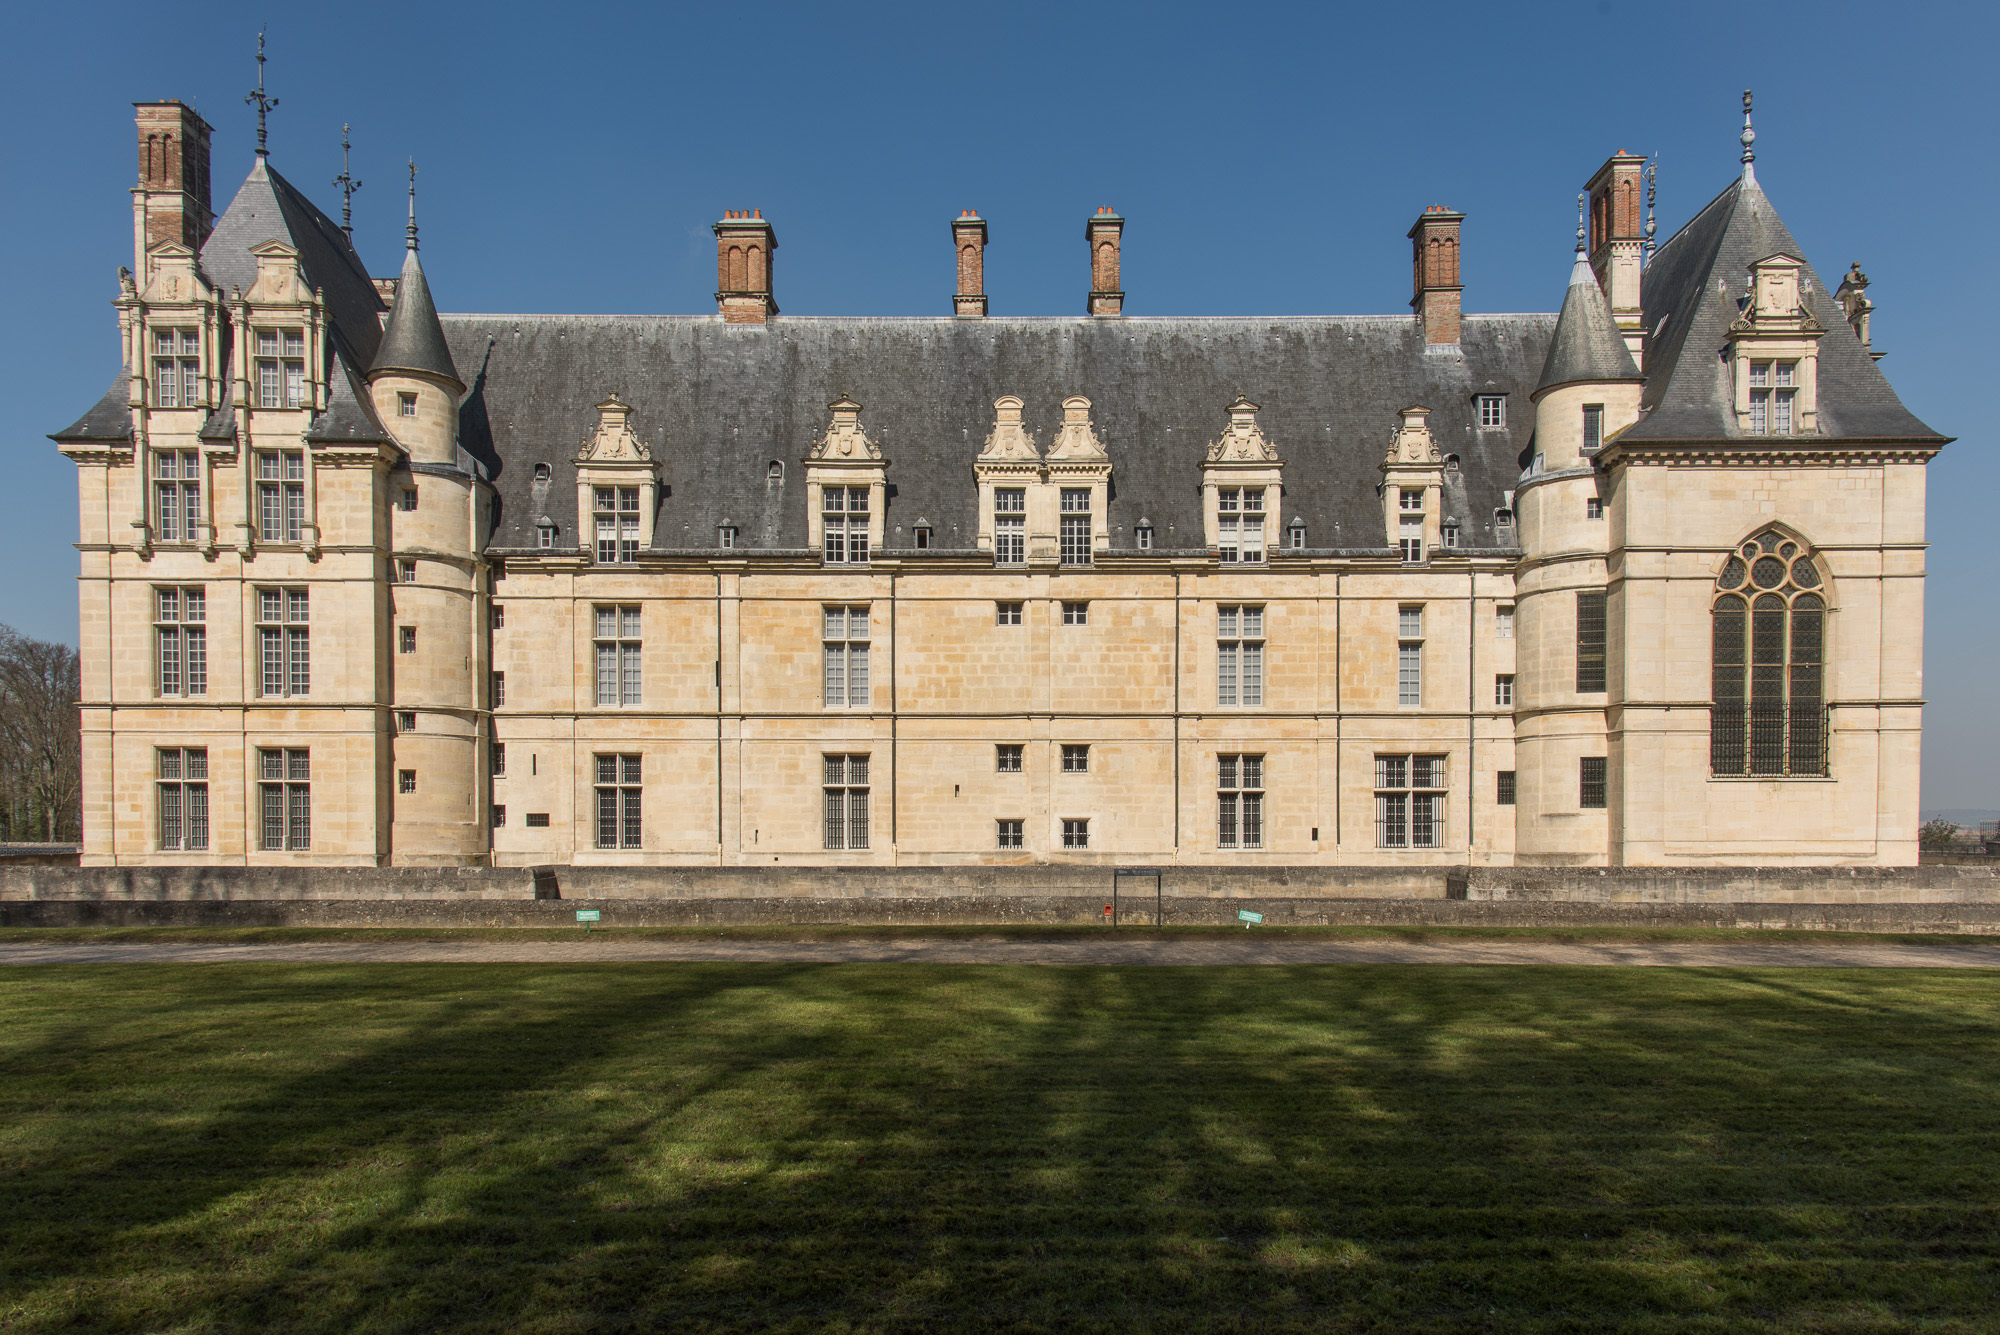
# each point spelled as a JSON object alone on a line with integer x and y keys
{"x": 1567, "y": 620}
{"x": 435, "y": 641}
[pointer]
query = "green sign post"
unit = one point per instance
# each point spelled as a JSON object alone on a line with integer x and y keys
{"x": 587, "y": 917}
{"x": 1246, "y": 917}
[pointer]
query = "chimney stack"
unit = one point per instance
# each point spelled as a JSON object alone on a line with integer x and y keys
{"x": 968, "y": 237}
{"x": 1434, "y": 250}
{"x": 1105, "y": 232}
{"x": 1618, "y": 241}
{"x": 743, "y": 246}
{"x": 170, "y": 202}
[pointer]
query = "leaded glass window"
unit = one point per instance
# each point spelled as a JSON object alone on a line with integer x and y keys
{"x": 1769, "y": 718}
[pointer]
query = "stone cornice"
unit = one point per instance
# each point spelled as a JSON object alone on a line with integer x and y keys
{"x": 1769, "y": 451}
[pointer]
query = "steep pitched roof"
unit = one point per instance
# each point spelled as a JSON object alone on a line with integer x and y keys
{"x": 1587, "y": 344}
{"x": 1689, "y": 296}
{"x": 108, "y": 421}
{"x": 413, "y": 340}
{"x": 720, "y": 404}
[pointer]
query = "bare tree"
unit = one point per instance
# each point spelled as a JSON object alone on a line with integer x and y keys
{"x": 41, "y": 741}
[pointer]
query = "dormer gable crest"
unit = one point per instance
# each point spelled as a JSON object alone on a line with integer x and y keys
{"x": 1413, "y": 443}
{"x": 1009, "y": 441}
{"x": 174, "y": 275}
{"x": 1243, "y": 440}
{"x": 1076, "y": 441}
{"x": 279, "y": 281}
{"x": 844, "y": 441}
{"x": 614, "y": 441}
{"x": 1777, "y": 297}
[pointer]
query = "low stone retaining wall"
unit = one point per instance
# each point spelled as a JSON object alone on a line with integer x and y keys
{"x": 1730, "y": 885}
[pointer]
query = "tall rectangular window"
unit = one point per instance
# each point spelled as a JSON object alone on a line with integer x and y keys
{"x": 843, "y": 513}
{"x": 1075, "y": 529}
{"x": 1589, "y": 642}
{"x": 1240, "y": 524}
{"x": 1503, "y": 621}
{"x": 1239, "y": 655}
{"x": 177, "y": 495}
{"x": 1410, "y": 534}
{"x": 499, "y": 684}
{"x": 498, "y": 756}
{"x": 1773, "y": 398}
{"x": 1239, "y": 801}
{"x": 406, "y": 639}
{"x": 1410, "y": 795}
{"x": 1593, "y": 426}
{"x": 284, "y": 799}
{"x": 1492, "y": 410}
{"x": 1591, "y": 782}
{"x": 281, "y": 494}
{"x": 1410, "y": 655}
{"x": 1010, "y": 525}
{"x": 281, "y": 368}
{"x": 284, "y": 643}
{"x": 844, "y": 643}
{"x": 618, "y": 801}
{"x": 176, "y": 368}
{"x": 846, "y": 795}
{"x": 1503, "y": 690}
{"x": 618, "y": 646}
{"x": 183, "y": 799}
{"x": 615, "y": 515}
{"x": 182, "y": 639}
{"x": 1503, "y": 787}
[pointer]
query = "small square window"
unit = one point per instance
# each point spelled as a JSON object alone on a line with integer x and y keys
{"x": 406, "y": 781}
{"x": 1007, "y": 757}
{"x": 406, "y": 720}
{"x": 407, "y": 499}
{"x": 1492, "y": 410}
{"x": 1076, "y": 614}
{"x": 1503, "y": 788}
{"x": 406, "y": 571}
{"x": 1076, "y": 834}
{"x": 1009, "y": 834}
{"x": 1006, "y": 614}
{"x": 1411, "y": 498}
{"x": 1076, "y": 759}
{"x": 406, "y": 405}
{"x": 406, "y": 637}
{"x": 1593, "y": 507}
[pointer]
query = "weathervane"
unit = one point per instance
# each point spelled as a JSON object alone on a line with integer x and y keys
{"x": 1748, "y": 137}
{"x": 348, "y": 185}
{"x": 411, "y": 231}
{"x": 1652, "y": 224}
{"x": 259, "y": 101}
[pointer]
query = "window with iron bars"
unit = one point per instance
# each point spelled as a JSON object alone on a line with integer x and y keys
{"x": 284, "y": 792}
{"x": 1410, "y": 795}
{"x": 1590, "y": 643}
{"x": 618, "y": 801}
{"x": 183, "y": 799}
{"x": 1239, "y": 801}
{"x": 846, "y": 795}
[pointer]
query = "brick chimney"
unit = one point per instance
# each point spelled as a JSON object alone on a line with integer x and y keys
{"x": 968, "y": 237}
{"x": 1434, "y": 250}
{"x": 743, "y": 246}
{"x": 1618, "y": 240}
{"x": 170, "y": 202}
{"x": 1105, "y": 232}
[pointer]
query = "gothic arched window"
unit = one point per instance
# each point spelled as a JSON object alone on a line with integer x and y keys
{"x": 1769, "y": 718}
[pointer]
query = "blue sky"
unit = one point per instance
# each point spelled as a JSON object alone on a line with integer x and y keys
{"x": 1269, "y": 159}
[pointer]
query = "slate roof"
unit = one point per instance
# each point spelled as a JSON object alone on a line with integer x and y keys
{"x": 1587, "y": 344}
{"x": 109, "y": 420}
{"x": 718, "y": 404}
{"x": 1690, "y": 296}
{"x": 412, "y": 339}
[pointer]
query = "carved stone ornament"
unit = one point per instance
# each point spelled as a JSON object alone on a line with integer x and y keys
{"x": 1010, "y": 440}
{"x": 614, "y": 441}
{"x": 1413, "y": 443}
{"x": 176, "y": 276}
{"x": 1243, "y": 441}
{"x": 844, "y": 439}
{"x": 1075, "y": 442}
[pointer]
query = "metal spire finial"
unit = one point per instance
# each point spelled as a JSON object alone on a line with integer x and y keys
{"x": 411, "y": 230}
{"x": 348, "y": 185}
{"x": 1652, "y": 223}
{"x": 1582, "y": 230}
{"x": 257, "y": 99}
{"x": 1748, "y": 137}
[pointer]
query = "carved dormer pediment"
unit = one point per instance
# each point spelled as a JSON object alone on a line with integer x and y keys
{"x": 1777, "y": 298}
{"x": 279, "y": 281}
{"x": 1413, "y": 443}
{"x": 844, "y": 441}
{"x": 175, "y": 277}
{"x": 1076, "y": 442}
{"x": 1009, "y": 441}
{"x": 1243, "y": 441}
{"x": 614, "y": 441}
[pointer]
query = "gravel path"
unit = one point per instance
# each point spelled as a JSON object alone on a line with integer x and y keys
{"x": 1248, "y": 949}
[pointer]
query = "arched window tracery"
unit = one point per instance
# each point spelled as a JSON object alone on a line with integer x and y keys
{"x": 1769, "y": 716}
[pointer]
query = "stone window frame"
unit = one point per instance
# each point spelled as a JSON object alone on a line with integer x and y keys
{"x": 1239, "y": 801}
{"x": 1412, "y": 800}
{"x": 1771, "y": 608}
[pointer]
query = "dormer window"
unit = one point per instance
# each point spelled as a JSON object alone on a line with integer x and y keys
{"x": 1010, "y": 525}
{"x": 545, "y": 536}
{"x": 615, "y": 510}
{"x": 725, "y": 537}
{"x": 844, "y": 525}
{"x": 1449, "y": 535}
{"x": 923, "y": 533}
{"x": 541, "y": 472}
{"x": 1240, "y": 524}
{"x": 1298, "y": 535}
{"x": 1492, "y": 410}
{"x": 176, "y": 368}
{"x": 1773, "y": 398}
{"x": 281, "y": 369}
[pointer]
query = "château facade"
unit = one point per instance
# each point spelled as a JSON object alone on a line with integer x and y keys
{"x": 1636, "y": 582}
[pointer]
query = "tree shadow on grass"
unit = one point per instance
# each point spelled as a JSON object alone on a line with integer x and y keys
{"x": 887, "y": 1147}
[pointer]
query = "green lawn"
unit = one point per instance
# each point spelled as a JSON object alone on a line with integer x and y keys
{"x": 907, "y": 1147}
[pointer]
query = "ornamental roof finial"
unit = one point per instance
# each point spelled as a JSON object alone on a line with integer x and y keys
{"x": 257, "y": 99}
{"x": 348, "y": 185}
{"x": 1582, "y": 230}
{"x": 1652, "y": 223}
{"x": 1748, "y": 137}
{"x": 410, "y": 232}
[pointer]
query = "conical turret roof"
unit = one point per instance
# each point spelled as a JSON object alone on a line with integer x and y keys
{"x": 413, "y": 340}
{"x": 1587, "y": 344}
